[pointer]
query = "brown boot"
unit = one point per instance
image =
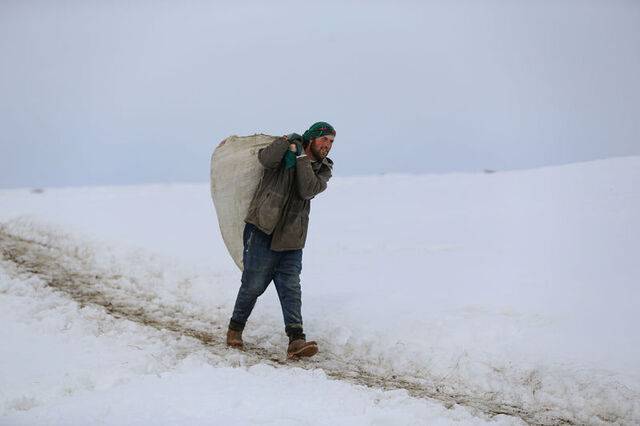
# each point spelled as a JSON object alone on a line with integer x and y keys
{"x": 234, "y": 338}
{"x": 301, "y": 348}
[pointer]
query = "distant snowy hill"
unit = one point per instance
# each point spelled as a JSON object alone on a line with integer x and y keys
{"x": 508, "y": 297}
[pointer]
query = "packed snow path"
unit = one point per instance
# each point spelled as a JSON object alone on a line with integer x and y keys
{"x": 69, "y": 269}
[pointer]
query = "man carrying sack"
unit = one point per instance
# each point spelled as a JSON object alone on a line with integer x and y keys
{"x": 296, "y": 169}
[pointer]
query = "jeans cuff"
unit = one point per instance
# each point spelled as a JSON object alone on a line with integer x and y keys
{"x": 235, "y": 326}
{"x": 294, "y": 331}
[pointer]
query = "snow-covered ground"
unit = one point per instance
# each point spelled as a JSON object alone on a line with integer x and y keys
{"x": 435, "y": 299}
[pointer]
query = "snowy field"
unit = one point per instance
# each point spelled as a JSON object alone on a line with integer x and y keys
{"x": 504, "y": 298}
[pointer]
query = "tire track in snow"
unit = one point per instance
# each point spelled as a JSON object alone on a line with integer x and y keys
{"x": 70, "y": 272}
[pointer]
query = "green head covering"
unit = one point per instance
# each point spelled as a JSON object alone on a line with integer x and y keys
{"x": 318, "y": 129}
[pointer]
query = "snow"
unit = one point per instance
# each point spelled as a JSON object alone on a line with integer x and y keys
{"x": 452, "y": 296}
{"x": 80, "y": 367}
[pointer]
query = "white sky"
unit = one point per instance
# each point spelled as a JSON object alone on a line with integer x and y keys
{"x": 128, "y": 92}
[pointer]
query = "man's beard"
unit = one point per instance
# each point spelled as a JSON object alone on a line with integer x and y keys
{"x": 317, "y": 153}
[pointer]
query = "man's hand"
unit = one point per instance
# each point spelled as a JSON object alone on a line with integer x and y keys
{"x": 295, "y": 145}
{"x": 295, "y": 150}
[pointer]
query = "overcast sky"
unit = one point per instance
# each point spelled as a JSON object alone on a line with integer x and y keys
{"x": 116, "y": 92}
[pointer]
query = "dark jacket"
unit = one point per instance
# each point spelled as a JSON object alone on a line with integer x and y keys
{"x": 282, "y": 201}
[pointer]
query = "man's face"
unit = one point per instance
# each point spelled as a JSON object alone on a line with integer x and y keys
{"x": 321, "y": 146}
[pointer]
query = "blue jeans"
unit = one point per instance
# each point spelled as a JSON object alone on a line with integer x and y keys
{"x": 261, "y": 266}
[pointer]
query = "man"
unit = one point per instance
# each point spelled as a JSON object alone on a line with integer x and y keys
{"x": 296, "y": 169}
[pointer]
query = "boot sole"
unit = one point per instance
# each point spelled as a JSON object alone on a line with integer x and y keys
{"x": 307, "y": 351}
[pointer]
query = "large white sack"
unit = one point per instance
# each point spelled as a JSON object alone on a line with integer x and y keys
{"x": 235, "y": 175}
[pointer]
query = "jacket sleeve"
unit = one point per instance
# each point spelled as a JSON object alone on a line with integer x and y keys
{"x": 308, "y": 183}
{"x": 271, "y": 155}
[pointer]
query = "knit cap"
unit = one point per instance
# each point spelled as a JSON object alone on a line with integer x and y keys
{"x": 320, "y": 128}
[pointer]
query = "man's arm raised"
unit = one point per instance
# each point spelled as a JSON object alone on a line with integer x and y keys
{"x": 308, "y": 183}
{"x": 271, "y": 155}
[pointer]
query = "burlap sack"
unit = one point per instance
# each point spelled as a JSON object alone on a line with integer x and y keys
{"x": 235, "y": 174}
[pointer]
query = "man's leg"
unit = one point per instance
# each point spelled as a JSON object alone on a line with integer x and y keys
{"x": 259, "y": 263}
{"x": 287, "y": 281}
